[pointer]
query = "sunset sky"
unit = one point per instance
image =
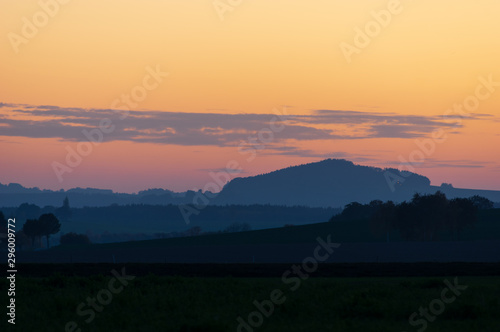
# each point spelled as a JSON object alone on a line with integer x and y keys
{"x": 200, "y": 79}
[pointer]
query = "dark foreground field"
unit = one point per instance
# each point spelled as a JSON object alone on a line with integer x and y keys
{"x": 183, "y": 297}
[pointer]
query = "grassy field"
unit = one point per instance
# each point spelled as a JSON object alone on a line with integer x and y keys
{"x": 174, "y": 303}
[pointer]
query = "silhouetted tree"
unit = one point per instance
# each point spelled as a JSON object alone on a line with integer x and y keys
{"x": 33, "y": 229}
{"x": 384, "y": 217}
{"x": 407, "y": 221}
{"x": 462, "y": 212}
{"x": 357, "y": 211}
{"x": 482, "y": 203}
{"x": 423, "y": 217}
{"x": 73, "y": 238}
{"x": 420, "y": 219}
{"x": 431, "y": 210}
{"x": 22, "y": 241}
{"x": 375, "y": 204}
{"x": 50, "y": 225}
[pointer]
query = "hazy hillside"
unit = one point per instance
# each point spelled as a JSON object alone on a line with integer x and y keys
{"x": 14, "y": 194}
{"x": 138, "y": 222}
{"x": 328, "y": 183}
{"x": 331, "y": 182}
{"x": 451, "y": 192}
{"x": 334, "y": 182}
{"x": 358, "y": 243}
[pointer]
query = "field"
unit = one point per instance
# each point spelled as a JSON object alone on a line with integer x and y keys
{"x": 210, "y": 297}
{"x": 172, "y": 299}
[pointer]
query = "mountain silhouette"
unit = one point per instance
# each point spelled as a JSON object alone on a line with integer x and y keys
{"x": 328, "y": 183}
{"x": 334, "y": 183}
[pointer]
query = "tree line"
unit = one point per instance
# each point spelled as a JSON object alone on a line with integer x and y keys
{"x": 419, "y": 219}
{"x": 46, "y": 225}
{"x": 40, "y": 223}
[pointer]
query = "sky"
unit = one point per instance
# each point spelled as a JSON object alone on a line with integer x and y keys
{"x": 143, "y": 94}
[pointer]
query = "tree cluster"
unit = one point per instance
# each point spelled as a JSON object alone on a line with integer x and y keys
{"x": 46, "y": 225}
{"x": 421, "y": 218}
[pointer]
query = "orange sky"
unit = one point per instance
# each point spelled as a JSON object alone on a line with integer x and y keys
{"x": 261, "y": 56}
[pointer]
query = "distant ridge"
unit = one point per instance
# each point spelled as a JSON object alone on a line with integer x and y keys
{"x": 335, "y": 183}
{"x": 14, "y": 194}
{"x": 331, "y": 182}
{"x": 327, "y": 183}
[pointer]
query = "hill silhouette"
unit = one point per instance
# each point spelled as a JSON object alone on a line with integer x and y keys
{"x": 327, "y": 183}
{"x": 334, "y": 183}
{"x": 331, "y": 182}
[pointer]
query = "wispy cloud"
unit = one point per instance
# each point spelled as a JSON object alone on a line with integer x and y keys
{"x": 457, "y": 163}
{"x": 307, "y": 153}
{"x": 450, "y": 163}
{"x": 216, "y": 129}
{"x": 224, "y": 170}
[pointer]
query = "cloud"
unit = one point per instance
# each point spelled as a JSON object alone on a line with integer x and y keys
{"x": 434, "y": 163}
{"x": 307, "y": 153}
{"x": 224, "y": 170}
{"x": 452, "y": 163}
{"x": 399, "y": 131}
{"x": 215, "y": 129}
